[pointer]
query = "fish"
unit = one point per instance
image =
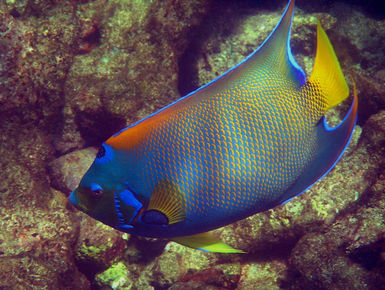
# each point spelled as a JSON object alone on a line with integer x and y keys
{"x": 250, "y": 140}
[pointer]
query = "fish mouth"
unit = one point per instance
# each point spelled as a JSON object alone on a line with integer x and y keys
{"x": 73, "y": 198}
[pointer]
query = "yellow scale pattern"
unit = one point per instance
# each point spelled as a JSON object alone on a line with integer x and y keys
{"x": 237, "y": 151}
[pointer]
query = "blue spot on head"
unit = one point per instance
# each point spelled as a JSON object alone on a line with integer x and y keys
{"x": 105, "y": 154}
{"x": 95, "y": 187}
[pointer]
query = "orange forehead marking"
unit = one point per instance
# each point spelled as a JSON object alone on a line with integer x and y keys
{"x": 126, "y": 139}
{"x": 131, "y": 136}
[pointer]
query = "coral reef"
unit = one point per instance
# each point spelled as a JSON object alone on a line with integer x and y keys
{"x": 124, "y": 66}
{"x": 348, "y": 253}
{"x": 74, "y": 72}
{"x": 67, "y": 170}
{"x": 36, "y": 247}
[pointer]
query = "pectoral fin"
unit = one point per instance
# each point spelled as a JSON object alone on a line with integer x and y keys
{"x": 166, "y": 200}
{"x": 205, "y": 242}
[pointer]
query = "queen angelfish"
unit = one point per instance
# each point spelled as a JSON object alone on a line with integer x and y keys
{"x": 248, "y": 141}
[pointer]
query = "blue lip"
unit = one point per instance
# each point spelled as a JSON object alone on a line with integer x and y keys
{"x": 73, "y": 198}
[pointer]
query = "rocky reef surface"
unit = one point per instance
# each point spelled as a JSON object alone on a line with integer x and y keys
{"x": 74, "y": 72}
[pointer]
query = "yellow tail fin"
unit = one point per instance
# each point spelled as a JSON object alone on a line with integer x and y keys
{"x": 327, "y": 73}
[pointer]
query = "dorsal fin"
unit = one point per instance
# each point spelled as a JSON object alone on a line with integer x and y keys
{"x": 327, "y": 73}
{"x": 275, "y": 55}
{"x": 272, "y": 60}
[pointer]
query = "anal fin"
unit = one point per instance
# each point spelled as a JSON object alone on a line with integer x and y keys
{"x": 205, "y": 242}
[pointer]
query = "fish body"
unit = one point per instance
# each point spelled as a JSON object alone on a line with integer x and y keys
{"x": 250, "y": 140}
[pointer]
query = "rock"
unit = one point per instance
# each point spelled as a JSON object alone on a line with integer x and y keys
{"x": 116, "y": 277}
{"x": 98, "y": 246}
{"x": 19, "y": 8}
{"x": 376, "y": 131}
{"x": 36, "y": 53}
{"x": 222, "y": 276}
{"x": 133, "y": 70}
{"x": 177, "y": 266}
{"x": 36, "y": 247}
{"x": 372, "y": 91}
{"x": 263, "y": 275}
{"x": 357, "y": 43}
{"x": 175, "y": 262}
{"x": 67, "y": 170}
{"x": 37, "y": 232}
{"x": 349, "y": 253}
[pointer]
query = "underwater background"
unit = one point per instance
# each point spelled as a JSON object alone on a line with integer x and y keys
{"x": 72, "y": 73}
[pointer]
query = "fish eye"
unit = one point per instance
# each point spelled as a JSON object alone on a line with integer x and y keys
{"x": 101, "y": 152}
{"x": 96, "y": 189}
